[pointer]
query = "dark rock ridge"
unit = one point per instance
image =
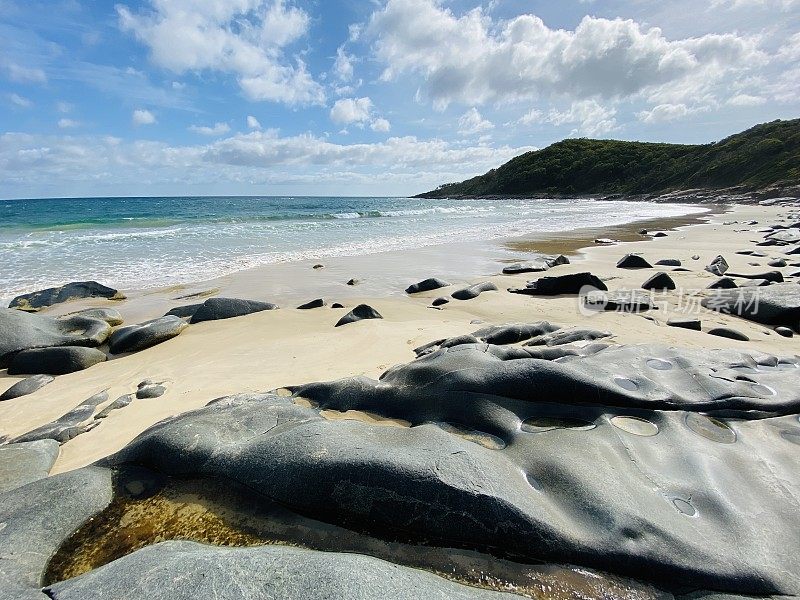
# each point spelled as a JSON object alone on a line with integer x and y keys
{"x": 215, "y": 309}
{"x": 473, "y": 291}
{"x": 26, "y": 386}
{"x": 359, "y": 313}
{"x": 55, "y": 361}
{"x": 71, "y": 291}
{"x": 543, "y": 263}
{"x": 145, "y": 335}
{"x": 426, "y": 285}
{"x": 773, "y": 276}
{"x": 777, "y": 304}
{"x": 685, "y": 323}
{"x": 644, "y": 461}
{"x": 318, "y": 303}
{"x": 25, "y": 331}
{"x": 574, "y": 283}
{"x": 633, "y": 261}
{"x": 659, "y": 281}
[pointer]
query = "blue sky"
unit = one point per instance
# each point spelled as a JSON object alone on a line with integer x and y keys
{"x": 390, "y": 97}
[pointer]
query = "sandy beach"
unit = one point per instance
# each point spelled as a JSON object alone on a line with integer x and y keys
{"x": 287, "y": 347}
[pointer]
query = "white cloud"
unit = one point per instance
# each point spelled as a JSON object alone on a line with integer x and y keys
{"x": 20, "y": 101}
{"x": 380, "y": 125}
{"x": 343, "y": 66}
{"x": 746, "y": 100}
{"x": 473, "y": 59}
{"x": 67, "y": 124}
{"x": 590, "y": 116}
{"x": 736, "y": 4}
{"x": 143, "y": 117}
{"x": 246, "y": 38}
{"x": 471, "y": 122}
{"x": 667, "y": 112}
{"x": 531, "y": 117}
{"x": 22, "y": 74}
{"x": 790, "y": 50}
{"x": 252, "y": 122}
{"x": 351, "y": 110}
{"x": 64, "y": 107}
{"x": 218, "y": 129}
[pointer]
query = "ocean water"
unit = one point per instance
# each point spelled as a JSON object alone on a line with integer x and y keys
{"x": 137, "y": 243}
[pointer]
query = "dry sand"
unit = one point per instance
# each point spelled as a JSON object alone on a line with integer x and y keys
{"x": 269, "y": 350}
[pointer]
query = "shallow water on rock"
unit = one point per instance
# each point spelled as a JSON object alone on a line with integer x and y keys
{"x": 149, "y": 508}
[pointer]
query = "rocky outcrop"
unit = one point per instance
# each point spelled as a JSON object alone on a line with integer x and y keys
{"x": 633, "y": 261}
{"x": 473, "y": 291}
{"x": 574, "y": 283}
{"x": 359, "y": 313}
{"x": 426, "y": 285}
{"x": 215, "y": 309}
{"x": 27, "y": 386}
{"x": 55, "y": 361}
{"x": 145, "y": 335}
{"x": 538, "y": 265}
{"x": 71, "y": 291}
{"x": 777, "y": 304}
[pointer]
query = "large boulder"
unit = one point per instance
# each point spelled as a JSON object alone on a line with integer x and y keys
{"x": 543, "y": 263}
{"x": 215, "y": 309}
{"x": 55, "y": 361}
{"x": 778, "y": 304}
{"x": 144, "y": 335}
{"x": 575, "y": 283}
{"x": 473, "y": 291}
{"x": 660, "y": 281}
{"x": 71, "y": 291}
{"x": 24, "y": 331}
{"x": 184, "y": 312}
{"x": 26, "y": 386}
{"x": 426, "y": 285}
{"x": 110, "y": 315}
{"x": 359, "y": 313}
{"x": 633, "y": 261}
{"x": 20, "y": 464}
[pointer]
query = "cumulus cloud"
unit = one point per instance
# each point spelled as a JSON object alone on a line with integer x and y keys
{"x": 252, "y": 122}
{"x": 358, "y": 111}
{"x": 22, "y": 74}
{"x": 143, "y": 117}
{"x": 246, "y": 38}
{"x": 746, "y": 100}
{"x": 343, "y": 65}
{"x": 67, "y": 124}
{"x": 217, "y": 129}
{"x": 471, "y": 123}
{"x": 588, "y": 116}
{"x": 473, "y": 59}
{"x": 380, "y": 125}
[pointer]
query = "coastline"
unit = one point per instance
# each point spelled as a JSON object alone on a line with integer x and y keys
{"x": 285, "y": 347}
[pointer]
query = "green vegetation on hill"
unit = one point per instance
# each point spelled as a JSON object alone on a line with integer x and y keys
{"x": 765, "y": 155}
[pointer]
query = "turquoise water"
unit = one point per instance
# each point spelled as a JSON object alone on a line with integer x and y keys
{"x": 136, "y": 243}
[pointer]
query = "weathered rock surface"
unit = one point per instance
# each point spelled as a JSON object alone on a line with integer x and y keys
{"x": 71, "y": 291}
{"x": 215, "y": 309}
{"x": 543, "y": 263}
{"x": 69, "y": 425}
{"x": 426, "y": 285}
{"x": 55, "y": 361}
{"x": 109, "y": 315}
{"x": 668, "y": 262}
{"x": 21, "y": 464}
{"x": 777, "y": 304}
{"x": 718, "y": 266}
{"x": 575, "y": 283}
{"x": 473, "y": 291}
{"x": 24, "y": 331}
{"x": 619, "y": 301}
{"x": 186, "y": 311}
{"x": 633, "y": 261}
{"x": 135, "y": 338}
{"x": 359, "y": 313}
{"x": 27, "y": 386}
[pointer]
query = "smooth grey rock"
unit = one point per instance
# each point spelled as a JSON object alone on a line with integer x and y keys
{"x": 473, "y": 291}
{"x": 723, "y": 283}
{"x": 669, "y": 262}
{"x": 215, "y": 309}
{"x": 426, "y": 285}
{"x": 772, "y": 276}
{"x": 141, "y": 336}
{"x": 68, "y": 425}
{"x": 27, "y": 386}
{"x": 512, "y": 333}
{"x": 568, "y": 336}
{"x": 633, "y": 261}
{"x": 359, "y": 313}
{"x": 353, "y": 281}
{"x": 71, "y": 291}
{"x": 337, "y": 305}
{"x": 659, "y": 281}
{"x": 659, "y": 234}
{"x": 685, "y": 323}
{"x": 182, "y": 570}
{"x": 718, "y": 266}
{"x": 784, "y": 331}
{"x": 24, "y": 331}
{"x": 727, "y": 332}
{"x": 784, "y": 237}
{"x": 184, "y": 312}
{"x": 756, "y": 283}
{"x": 778, "y": 262}
{"x": 574, "y": 283}
{"x": 543, "y": 263}
{"x": 318, "y": 303}
{"x": 55, "y": 361}
{"x": 21, "y": 464}
{"x": 152, "y": 390}
{"x": 109, "y": 315}
{"x": 117, "y": 404}
{"x": 440, "y": 301}
{"x": 778, "y": 304}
